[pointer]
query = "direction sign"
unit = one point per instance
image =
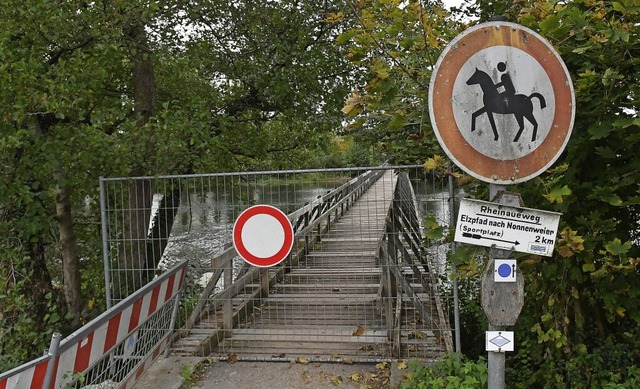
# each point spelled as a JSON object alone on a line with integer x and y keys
{"x": 263, "y": 235}
{"x": 500, "y": 341}
{"x": 501, "y": 102}
{"x": 525, "y": 230}
{"x": 504, "y": 270}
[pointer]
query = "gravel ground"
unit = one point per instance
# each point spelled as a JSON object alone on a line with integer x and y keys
{"x": 296, "y": 375}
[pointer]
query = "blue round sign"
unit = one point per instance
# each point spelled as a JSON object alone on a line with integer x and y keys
{"x": 504, "y": 270}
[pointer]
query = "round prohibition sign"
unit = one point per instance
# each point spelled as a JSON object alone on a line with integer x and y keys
{"x": 263, "y": 235}
{"x": 501, "y": 102}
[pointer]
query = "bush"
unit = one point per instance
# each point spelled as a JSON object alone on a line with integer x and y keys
{"x": 454, "y": 371}
{"x": 611, "y": 363}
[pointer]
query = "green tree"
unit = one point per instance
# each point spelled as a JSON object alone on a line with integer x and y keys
{"x": 398, "y": 44}
{"x": 579, "y": 324}
{"x": 586, "y": 297}
{"x": 136, "y": 88}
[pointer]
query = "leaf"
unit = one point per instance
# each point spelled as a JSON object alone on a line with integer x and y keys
{"x": 302, "y": 361}
{"x": 551, "y": 23}
{"x": 609, "y": 76}
{"x": 356, "y": 377}
{"x": 618, "y": 7}
{"x": 345, "y": 37}
{"x": 434, "y": 163}
{"x": 557, "y": 193}
{"x": 402, "y": 365}
{"x": 360, "y": 330}
{"x": 398, "y": 121}
{"x": 600, "y": 130}
{"x": 382, "y": 73}
{"x": 337, "y": 380}
{"x": 581, "y": 50}
{"x": 334, "y": 17}
{"x": 612, "y": 199}
{"x": 616, "y": 247}
{"x": 433, "y": 229}
{"x": 569, "y": 243}
{"x": 381, "y": 366}
{"x": 232, "y": 358}
{"x": 581, "y": 348}
{"x": 353, "y": 106}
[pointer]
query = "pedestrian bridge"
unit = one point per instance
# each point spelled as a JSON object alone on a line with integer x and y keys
{"x": 360, "y": 284}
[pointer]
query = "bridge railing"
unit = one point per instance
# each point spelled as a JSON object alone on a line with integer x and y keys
{"x": 191, "y": 217}
{"x": 114, "y": 349}
{"x": 310, "y": 223}
{"x": 402, "y": 247}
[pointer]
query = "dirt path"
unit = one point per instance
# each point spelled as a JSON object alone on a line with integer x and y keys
{"x": 240, "y": 375}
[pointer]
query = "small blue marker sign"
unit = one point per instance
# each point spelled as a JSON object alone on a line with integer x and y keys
{"x": 505, "y": 270}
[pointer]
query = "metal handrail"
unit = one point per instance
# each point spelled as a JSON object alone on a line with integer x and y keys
{"x": 306, "y": 220}
{"x": 402, "y": 244}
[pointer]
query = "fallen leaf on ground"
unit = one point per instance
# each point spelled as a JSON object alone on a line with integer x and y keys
{"x": 402, "y": 365}
{"x": 302, "y": 361}
{"x": 232, "y": 358}
{"x": 335, "y": 381}
{"x": 360, "y": 330}
{"x": 355, "y": 377}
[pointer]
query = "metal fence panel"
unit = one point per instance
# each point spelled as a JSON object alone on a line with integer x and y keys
{"x": 327, "y": 297}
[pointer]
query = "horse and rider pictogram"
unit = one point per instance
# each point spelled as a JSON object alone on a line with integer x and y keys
{"x": 506, "y": 77}
{"x": 505, "y": 102}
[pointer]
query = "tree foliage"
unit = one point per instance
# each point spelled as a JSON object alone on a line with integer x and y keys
{"x": 582, "y": 304}
{"x": 398, "y": 44}
{"x": 584, "y": 301}
{"x": 139, "y": 87}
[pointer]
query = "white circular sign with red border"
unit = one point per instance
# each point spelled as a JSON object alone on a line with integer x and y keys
{"x": 263, "y": 235}
{"x": 501, "y": 102}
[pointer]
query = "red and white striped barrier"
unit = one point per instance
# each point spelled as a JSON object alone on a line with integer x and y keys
{"x": 81, "y": 350}
{"x": 30, "y": 375}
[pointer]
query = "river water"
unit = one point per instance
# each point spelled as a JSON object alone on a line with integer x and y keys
{"x": 203, "y": 225}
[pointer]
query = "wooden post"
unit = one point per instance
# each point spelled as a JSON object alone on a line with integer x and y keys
{"x": 264, "y": 283}
{"x": 227, "y": 309}
{"x": 501, "y": 301}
